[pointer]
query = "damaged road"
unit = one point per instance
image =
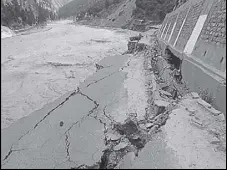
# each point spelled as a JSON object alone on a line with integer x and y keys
{"x": 70, "y": 131}
{"x": 120, "y": 117}
{"x": 94, "y": 126}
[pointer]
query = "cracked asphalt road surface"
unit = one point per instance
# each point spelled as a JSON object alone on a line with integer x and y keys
{"x": 40, "y": 67}
{"x": 78, "y": 130}
{"x": 38, "y": 140}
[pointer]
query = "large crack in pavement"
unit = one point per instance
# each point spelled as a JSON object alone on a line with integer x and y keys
{"x": 9, "y": 153}
{"x": 67, "y": 132}
{"x": 67, "y": 143}
{"x": 96, "y": 81}
{"x": 78, "y": 91}
{"x": 120, "y": 139}
{"x": 130, "y": 136}
{"x": 62, "y": 103}
{"x": 36, "y": 125}
{"x": 133, "y": 134}
{"x": 59, "y": 105}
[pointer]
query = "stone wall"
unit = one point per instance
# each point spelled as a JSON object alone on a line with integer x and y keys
{"x": 172, "y": 21}
{"x": 196, "y": 33}
{"x": 189, "y": 24}
{"x": 214, "y": 30}
{"x": 163, "y": 26}
{"x": 182, "y": 14}
{"x": 211, "y": 44}
{"x": 166, "y": 28}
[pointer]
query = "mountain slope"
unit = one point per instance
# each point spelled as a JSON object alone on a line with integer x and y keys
{"x": 75, "y": 7}
{"x": 59, "y": 3}
{"x": 118, "y": 13}
{"x": 19, "y": 13}
{"x": 153, "y": 9}
{"x": 122, "y": 15}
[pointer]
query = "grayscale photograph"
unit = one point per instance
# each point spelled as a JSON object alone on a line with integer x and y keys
{"x": 113, "y": 84}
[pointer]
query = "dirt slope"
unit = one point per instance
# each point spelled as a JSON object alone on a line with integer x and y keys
{"x": 121, "y": 16}
{"x": 137, "y": 15}
{"x": 75, "y": 7}
{"x": 117, "y": 15}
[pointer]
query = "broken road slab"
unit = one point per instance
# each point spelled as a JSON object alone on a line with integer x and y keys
{"x": 43, "y": 143}
{"x": 102, "y": 124}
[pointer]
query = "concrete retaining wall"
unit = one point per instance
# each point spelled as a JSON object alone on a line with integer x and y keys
{"x": 196, "y": 33}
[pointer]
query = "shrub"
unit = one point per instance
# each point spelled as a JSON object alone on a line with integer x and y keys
{"x": 206, "y": 95}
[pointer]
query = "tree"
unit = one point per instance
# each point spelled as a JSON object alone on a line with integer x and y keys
{"x": 16, "y": 10}
{"x": 15, "y": 15}
{"x": 4, "y": 19}
{"x": 31, "y": 17}
{"x": 42, "y": 14}
{"x": 23, "y": 14}
{"x": 107, "y": 4}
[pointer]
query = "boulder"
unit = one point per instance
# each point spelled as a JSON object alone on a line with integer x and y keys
{"x": 160, "y": 106}
{"x": 113, "y": 137}
{"x": 120, "y": 146}
{"x": 153, "y": 129}
{"x": 214, "y": 111}
{"x": 165, "y": 93}
{"x": 132, "y": 46}
{"x": 203, "y": 103}
{"x": 195, "y": 95}
{"x": 136, "y": 38}
{"x": 149, "y": 125}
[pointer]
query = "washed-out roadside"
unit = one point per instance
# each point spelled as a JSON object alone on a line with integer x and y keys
{"x": 109, "y": 123}
{"x": 177, "y": 129}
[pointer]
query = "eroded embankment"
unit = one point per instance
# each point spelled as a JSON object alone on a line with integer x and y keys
{"x": 102, "y": 130}
{"x": 131, "y": 136}
{"x": 126, "y": 140}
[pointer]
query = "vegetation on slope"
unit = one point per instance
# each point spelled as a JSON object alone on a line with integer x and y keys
{"x": 74, "y": 7}
{"x": 149, "y": 10}
{"x": 17, "y": 15}
{"x": 80, "y": 7}
{"x": 154, "y": 10}
{"x": 59, "y": 3}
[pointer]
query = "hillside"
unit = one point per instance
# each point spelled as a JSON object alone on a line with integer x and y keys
{"x": 80, "y": 7}
{"x": 59, "y": 3}
{"x": 153, "y": 9}
{"x": 122, "y": 15}
{"x": 118, "y": 13}
{"x": 20, "y": 13}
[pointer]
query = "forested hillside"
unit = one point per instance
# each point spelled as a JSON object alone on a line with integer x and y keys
{"x": 59, "y": 3}
{"x": 93, "y": 7}
{"x": 20, "y": 13}
{"x": 155, "y": 10}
